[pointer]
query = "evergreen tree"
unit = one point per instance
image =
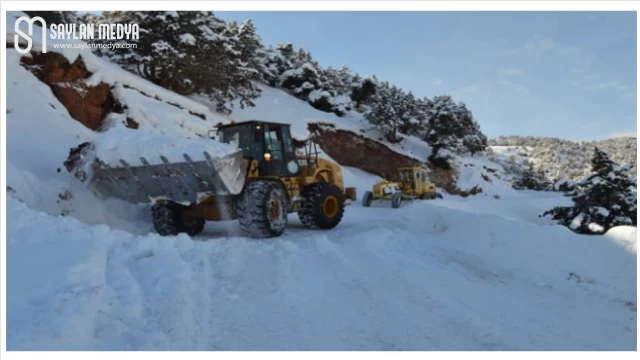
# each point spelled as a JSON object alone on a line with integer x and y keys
{"x": 250, "y": 53}
{"x": 451, "y": 126}
{"x": 532, "y": 179}
{"x": 387, "y": 111}
{"x": 185, "y": 52}
{"x": 363, "y": 90}
{"x": 603, "y": 200}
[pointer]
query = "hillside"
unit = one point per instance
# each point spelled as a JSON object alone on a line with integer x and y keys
{"x": 562, "y": 159}
{"x": 481, "y": 272}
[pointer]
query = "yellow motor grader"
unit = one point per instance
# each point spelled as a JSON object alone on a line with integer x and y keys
{"x": 413, "y": 184}
{"x": 260, "y": 184}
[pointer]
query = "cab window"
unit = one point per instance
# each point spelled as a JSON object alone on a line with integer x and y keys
{"x": 273, "y": 141}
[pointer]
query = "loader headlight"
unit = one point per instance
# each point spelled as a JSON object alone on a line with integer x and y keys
{"x": 267, "y": 156}
{"x": 292, "y": 166}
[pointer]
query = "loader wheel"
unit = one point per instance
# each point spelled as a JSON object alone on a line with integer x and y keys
{"x": 367, "y": 198}
{"x": 396, "y": 199}
{"x": 168, "y": 220}
{"x": 262, "y": 210}
{"x": 323, "y": 206}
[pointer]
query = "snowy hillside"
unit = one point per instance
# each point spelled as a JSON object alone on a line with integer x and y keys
{"x": 279, "y": 106}
{"x": 560, "y": 158}
{"x": 476, "y": 273}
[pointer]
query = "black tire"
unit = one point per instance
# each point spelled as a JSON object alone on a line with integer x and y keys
{"x": 367, "y": 198}
{"x": 323, "y": 206}
{"x": 168, "y": 220}
{"x": 262, "y": 210}
{"x": 396, "y": 199}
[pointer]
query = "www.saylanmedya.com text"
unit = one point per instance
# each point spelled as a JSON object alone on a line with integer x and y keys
{"x": 89, "y": 32}
{"x": 110, "y": 46}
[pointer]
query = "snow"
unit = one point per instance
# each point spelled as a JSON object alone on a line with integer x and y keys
{"x": 415, "y": 278}
{"x": 476, "y": 273}
{"x": 595, "y": 228}
{"x": 625, "y": 236}
{"x": 188, "y": 38}
{"x": 475, "y": 170}
{"x": 160, "y": 114}
{"x": 277, "y": 105}
{"x": 122, "y": 143}
{"x": 602, "y": 211}
{"x": 317, "y": 94}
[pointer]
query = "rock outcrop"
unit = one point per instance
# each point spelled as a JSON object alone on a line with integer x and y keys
{"x": 351, "y": 149}
{"x": 87, "y": 104}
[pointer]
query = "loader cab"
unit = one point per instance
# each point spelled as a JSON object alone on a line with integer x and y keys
{"x": 269, "y": 143}
{"x": 413, "y": 177}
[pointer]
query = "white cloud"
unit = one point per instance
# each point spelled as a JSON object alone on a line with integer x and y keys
{"x": 509, "y": 71}
{"x": 622, "y": 133}
{"x": 471, "y": 88}
{"x": 437, "y": 82}
{"x": 614, "y": 84}
{"x": 513, "y": 85}
{"x": 540, "y": 45}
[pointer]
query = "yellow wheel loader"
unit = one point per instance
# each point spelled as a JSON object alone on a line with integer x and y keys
{"x": 413, "y": 184}
{"x": 270, "y": 176}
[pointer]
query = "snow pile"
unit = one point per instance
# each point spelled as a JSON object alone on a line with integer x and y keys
{"x": 42, "y": 133}
{"x": 150, "y": 112}
{"x": 121, "y": 143}
{"x": 477, "y": 171}
{"x": 426, "y": 278}
{"x": 626, "y": 236}
{"x": 520, "y": 206}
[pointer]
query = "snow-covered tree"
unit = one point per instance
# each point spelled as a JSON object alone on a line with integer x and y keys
{"x": 388, "y": 111}
{"x": 565, "y": 159}
{"x": 250, "y": 51}
{"x": 532, "y": 179}
{"x": 363, "y": 89}
{"x": 185, "y": 52}
{"x": 603, "y": 200}
{"x": 450, "y": 125}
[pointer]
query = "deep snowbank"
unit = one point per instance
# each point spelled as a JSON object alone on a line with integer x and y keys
{"x": 42, "y": 133}
{"x": 415, "y": 278}
{"x": 625, "y": 236}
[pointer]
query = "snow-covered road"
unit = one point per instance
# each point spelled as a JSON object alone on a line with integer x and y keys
{"x": 422, "y": 277}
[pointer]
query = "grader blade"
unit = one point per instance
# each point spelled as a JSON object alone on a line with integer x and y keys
{"x": 182, "y": 182}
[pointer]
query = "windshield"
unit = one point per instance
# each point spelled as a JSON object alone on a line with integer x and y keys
{"x": 238, "y": 136}
{"x": 406, "y": 176}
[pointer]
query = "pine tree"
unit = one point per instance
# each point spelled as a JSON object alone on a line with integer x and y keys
{"x": 185, "y": 52}
{"x": 603, "y": 200}
{"x": 532, "y": 179}
{"x": 451, "y": 126}
{"x": 386, "y": 111}
{"x": 250, "y": 54}
{"x": 363, "y": 90}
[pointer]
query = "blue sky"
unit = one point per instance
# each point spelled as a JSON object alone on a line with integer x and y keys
{"x": 563, "y": 74}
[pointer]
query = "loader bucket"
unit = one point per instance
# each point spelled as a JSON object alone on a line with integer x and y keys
{"x": 182, "y": 182}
